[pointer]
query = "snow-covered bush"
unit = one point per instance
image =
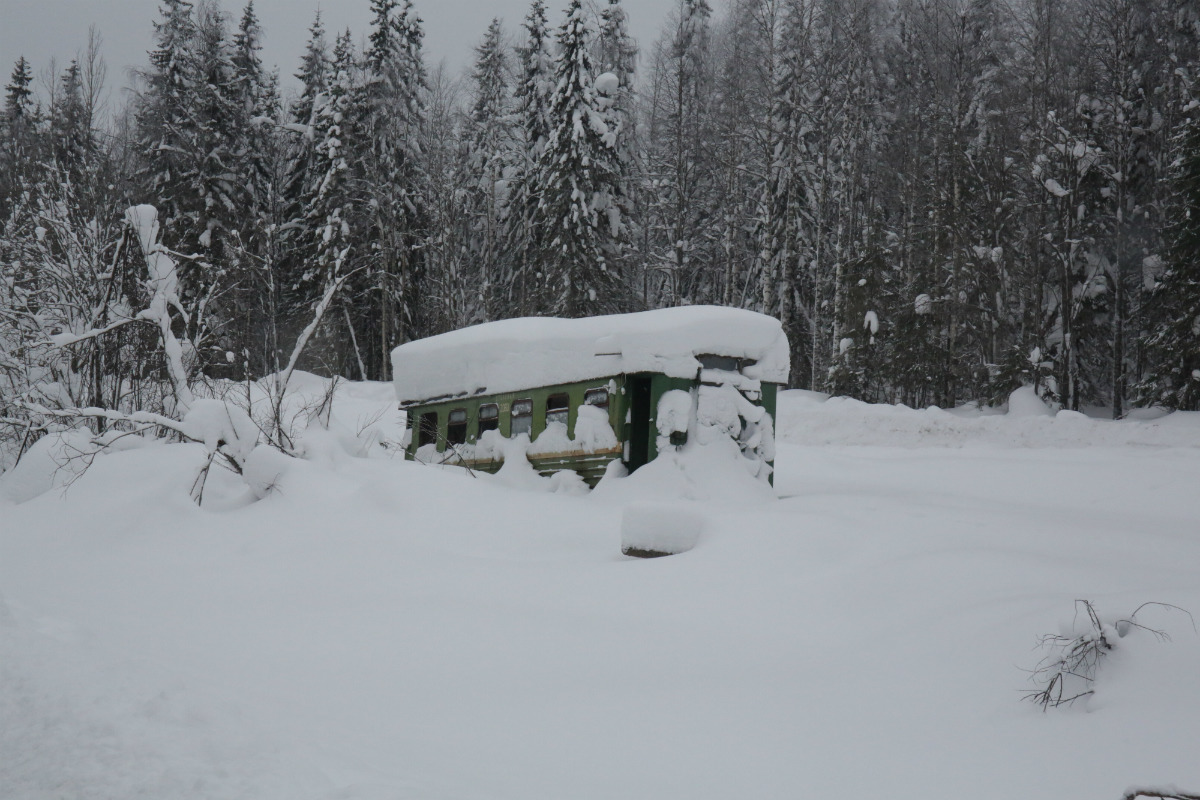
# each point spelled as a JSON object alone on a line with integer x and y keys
{"x": 1068, "y": 672}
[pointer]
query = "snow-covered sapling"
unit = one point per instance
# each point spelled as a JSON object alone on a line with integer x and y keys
{"x": 1068, "y": 672}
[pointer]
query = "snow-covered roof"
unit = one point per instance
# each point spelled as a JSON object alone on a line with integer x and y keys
{"x": 515, "y": 354}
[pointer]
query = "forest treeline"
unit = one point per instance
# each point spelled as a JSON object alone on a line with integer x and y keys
{"x": 941, "y": 200}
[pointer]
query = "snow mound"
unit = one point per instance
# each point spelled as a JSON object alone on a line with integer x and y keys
{"x": 1024, "y": 402}
{"x": 51, "y": 462}
{"x": 650, "y": 529}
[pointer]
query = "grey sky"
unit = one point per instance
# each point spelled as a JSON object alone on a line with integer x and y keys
{"x": 45, "y": 29}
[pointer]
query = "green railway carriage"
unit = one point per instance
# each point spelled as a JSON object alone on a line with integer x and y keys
{"x": 592, "y": 391}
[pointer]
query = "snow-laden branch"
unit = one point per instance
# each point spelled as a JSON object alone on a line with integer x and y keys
{"x": 331, "y": 290}
{"x": 67, "y": 339}
{"x": 222, "y": 428}
{"x": 333, "y": 284}
{"x": 1162, "y": 792}
{"x": 163, "y": 282}
{"x": 134, "y": 417}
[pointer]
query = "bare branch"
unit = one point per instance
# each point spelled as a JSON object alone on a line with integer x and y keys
{"x": 1166, "y": 793}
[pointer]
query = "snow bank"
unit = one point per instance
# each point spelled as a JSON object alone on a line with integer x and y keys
{"x": 649, "y": 530}
{"x": 51, "y": 462}
{"x": 811, "y": 418}
{"x": 516, "y": 354}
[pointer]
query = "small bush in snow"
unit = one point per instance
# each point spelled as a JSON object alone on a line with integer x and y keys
{"x": 1068, "y": 671}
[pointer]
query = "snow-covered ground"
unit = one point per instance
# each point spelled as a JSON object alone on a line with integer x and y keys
{"x": 374, "y": 629}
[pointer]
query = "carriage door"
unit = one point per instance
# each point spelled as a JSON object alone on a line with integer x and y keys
{"x": 640, "y": 426}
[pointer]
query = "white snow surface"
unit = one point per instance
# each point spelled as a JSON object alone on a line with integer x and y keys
{"x": 510, "y": 355}
{"x": 376, "y": 629}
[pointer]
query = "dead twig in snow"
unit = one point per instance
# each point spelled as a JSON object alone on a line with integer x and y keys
{"x": 1068, "y": 673}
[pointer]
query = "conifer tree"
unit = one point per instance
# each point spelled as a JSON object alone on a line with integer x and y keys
{"x": 395, "y": 182}
{"x": 256, "y": 105}
{"x": 681, "y": 160}
{"x": 18, "y": 97}
{"x": 1173, "y": 346}
{"x": 17, "y": 135}
{"x": 166, "y": 117}
{"x": 304, "y": 172}
{"x": 618, "y": 57}
{"x": 222, "y": 192}
{"x": 787, "y": 287}
{"x": 517, "y": 285}
{"x": 330, "y": 237}
{"x": 314, "y": 73}
{"x": 71, "y": 129}
{"x": 329, "y": 210}
{"x": 581, "y": 184}
{"x": 489, "y": 158}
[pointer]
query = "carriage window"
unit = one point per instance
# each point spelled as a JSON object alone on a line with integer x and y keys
{"x": 522, "y": 416}
{"x": 557, "y": 407}
{"x": 723, "y": 363}
{"x": 456, "y": 427}
{"x": 596, "y": 397}
{"x": 489, "y": 417}
{"x": 427, "y": 433}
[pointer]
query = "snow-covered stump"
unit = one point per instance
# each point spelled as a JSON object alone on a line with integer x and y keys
{"x": 655, "y": 529}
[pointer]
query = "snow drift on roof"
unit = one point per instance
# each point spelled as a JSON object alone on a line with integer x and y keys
{"x": 515, "y": 354}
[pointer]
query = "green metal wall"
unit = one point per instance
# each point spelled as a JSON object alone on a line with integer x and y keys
{"x": 574, "y": 392}
{"x": 620, "y": 399}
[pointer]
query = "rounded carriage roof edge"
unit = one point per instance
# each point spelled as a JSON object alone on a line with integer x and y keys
{"x": 531, "y": 352}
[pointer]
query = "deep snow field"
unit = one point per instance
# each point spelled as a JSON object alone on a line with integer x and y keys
{"x": 379, "y": 630}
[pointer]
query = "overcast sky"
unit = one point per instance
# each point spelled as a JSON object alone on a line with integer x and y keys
{"x": 45, "y": 29}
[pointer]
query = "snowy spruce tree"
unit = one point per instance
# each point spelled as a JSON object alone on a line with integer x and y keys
{"x": 256, "y": 102}
{"x": 302, "y": 171}
{"x": 314, "y": 73}
{"x": 18, "y": 135}
{"x": 394, "y": 181}
{"x": 581, "y": 183}
{"x": 618, "y": 54}
{"x": 519, "y": 267}
{"x": 71, "y": 126}
{"x": 331, "y": 231}
{"x": 490, "y": 147}
{"x": 303, "y": 174}
{"x": 262, "y": 152}
{"x": 680, "y": 165}
{"x": 166, "y": 118}
{"x": 222, "y": 193}
{"x": 1173, "y": 377}
{"x": 788, "y": 249}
